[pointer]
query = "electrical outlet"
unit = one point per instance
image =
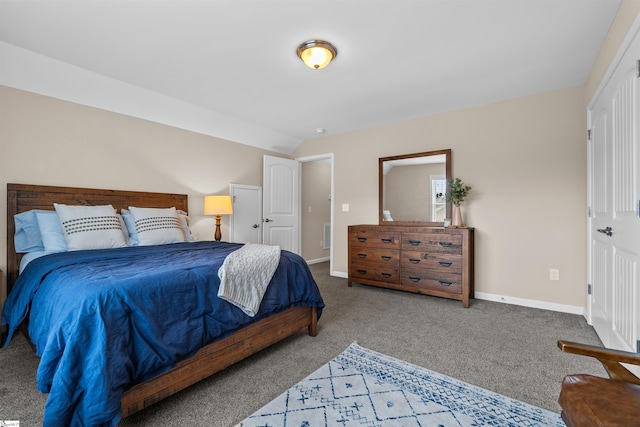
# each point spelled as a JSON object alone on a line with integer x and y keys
{"x": 345, "y": 207}
{"x": 554, "y": 274}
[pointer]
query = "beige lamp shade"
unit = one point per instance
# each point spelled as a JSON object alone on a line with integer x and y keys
{"x": 218, "y": 205}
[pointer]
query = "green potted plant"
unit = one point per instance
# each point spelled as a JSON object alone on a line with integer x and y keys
{"x": 458, "y": 191}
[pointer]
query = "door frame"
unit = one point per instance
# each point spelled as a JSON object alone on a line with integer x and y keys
{"x": 314, "y": 158}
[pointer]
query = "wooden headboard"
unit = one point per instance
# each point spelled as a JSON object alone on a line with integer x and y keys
{"x": 21, "y": 198}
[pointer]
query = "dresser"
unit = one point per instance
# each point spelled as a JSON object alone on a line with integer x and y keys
{"x": 426, "y": 260}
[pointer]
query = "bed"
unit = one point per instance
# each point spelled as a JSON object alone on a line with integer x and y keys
{"x": 295, "y": 307}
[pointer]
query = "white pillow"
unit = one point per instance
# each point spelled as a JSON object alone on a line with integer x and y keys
{"x": 157, "y": 226}
{"x": 90, "y": 227}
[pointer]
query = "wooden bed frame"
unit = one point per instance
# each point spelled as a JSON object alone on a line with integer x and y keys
{"x": 208, "y": 360}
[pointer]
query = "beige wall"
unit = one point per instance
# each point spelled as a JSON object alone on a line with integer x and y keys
{"x": 628, "y": 12}
{"x": 53, "y": 142}
{"x": 526, "y": 162}
{"x": 316, "y": 189}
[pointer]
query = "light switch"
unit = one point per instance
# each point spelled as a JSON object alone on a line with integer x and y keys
{"x": 345, "y": 207}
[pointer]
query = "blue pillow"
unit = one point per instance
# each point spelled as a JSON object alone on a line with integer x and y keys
{"x": 130, "y": 223}
{"x": 27, "y": 236}
{"x": 184, "y": 223}
{"x": 51, "y": 231}
{"x": 125, "y": 230}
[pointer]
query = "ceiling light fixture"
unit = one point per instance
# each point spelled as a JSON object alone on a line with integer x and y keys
{"x": 317, "y": 54}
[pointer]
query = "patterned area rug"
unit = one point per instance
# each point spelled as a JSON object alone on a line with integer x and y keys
{"x": 361, "y": 387}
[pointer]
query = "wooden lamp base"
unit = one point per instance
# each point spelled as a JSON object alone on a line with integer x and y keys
{"x": 218, "y": 234}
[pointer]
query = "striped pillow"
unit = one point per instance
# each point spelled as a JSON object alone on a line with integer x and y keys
{"x": 90, "y": 227}
{"x": 157, "y": 226}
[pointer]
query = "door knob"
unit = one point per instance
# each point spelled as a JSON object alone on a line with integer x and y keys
{"x": 255, "y": 226}
{"x": 268, "y": 220}
{"x": 606, "y": 231}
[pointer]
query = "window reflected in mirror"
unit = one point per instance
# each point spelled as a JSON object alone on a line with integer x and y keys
{"x": 413, "y": 188}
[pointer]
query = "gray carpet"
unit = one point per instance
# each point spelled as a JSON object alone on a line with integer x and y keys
{"x": 507, "y": 349}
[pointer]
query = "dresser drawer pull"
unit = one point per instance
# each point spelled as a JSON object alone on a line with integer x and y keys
{"x": 414, "y": 242}
{"x": 385, "y": 275}
{"x": 362, "y": 255}
{"x": 445, "y": 283}
{"x": 414, "y": 279}
{"x": 414, "y": 261}
{"x": 387, "y": 240}
{"x": 362, "y": 271}
{"x": 385, "y": 257}
{"x": 362, "y": 239}
{"x": 445, "y": 263}
{"x": 445, "y": 243}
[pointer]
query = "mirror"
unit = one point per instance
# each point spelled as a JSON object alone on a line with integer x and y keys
{"x": 413, "y": 188}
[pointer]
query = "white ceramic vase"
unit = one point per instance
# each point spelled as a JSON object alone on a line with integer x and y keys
{"x": 456, "y": 219}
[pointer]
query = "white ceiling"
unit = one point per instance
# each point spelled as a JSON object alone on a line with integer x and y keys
{"x": 229, "y": 68}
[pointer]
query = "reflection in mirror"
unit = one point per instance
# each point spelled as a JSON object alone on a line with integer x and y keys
{"x": 413, "y": 188}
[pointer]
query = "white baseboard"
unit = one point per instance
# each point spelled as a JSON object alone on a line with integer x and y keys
{"x": 318, "y": 260}
{"x": 544, "y": 305}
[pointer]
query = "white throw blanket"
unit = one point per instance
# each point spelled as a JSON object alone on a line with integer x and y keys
{"x": 245, "y": 275}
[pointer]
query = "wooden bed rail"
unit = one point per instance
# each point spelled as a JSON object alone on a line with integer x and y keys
{"x": 219, "y": 355}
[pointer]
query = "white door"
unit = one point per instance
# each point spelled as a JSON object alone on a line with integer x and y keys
{"x": 614, "y": 200}
{"x": 245, "y": 225}
{"x": 599, "y": 306}
{"x": 281, "y": 203}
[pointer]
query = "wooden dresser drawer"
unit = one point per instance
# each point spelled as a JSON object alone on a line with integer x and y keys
{"x": 426, "y": 279}
{"x": 372, "y": 272}
{"x": 375, "y": 239}
{"x": 446, "y": 263}
{"x": 427, "y": 242}
{"x": 375, "y": 255}
{"x": 434, "y": 261}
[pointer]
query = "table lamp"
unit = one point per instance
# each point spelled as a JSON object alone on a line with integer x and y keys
{"x": 218, "y": 205}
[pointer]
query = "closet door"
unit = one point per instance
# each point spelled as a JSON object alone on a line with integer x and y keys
{"x": 600, "y": 247}
{"x": 614, "y": 197}
{"x": 281, "y": 203}
{"x": 245, "y": 225}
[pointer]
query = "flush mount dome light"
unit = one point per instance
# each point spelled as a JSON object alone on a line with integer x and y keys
{"x": 317, "y": 54}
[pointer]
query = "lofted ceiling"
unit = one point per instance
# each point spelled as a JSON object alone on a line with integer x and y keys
{"x": 228, "y": 68}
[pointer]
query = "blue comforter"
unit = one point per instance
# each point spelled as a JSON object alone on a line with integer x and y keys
{"x": 104, "y": 320}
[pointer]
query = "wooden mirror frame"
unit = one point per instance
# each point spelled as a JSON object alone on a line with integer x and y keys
{"x": 448, "y": 177}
